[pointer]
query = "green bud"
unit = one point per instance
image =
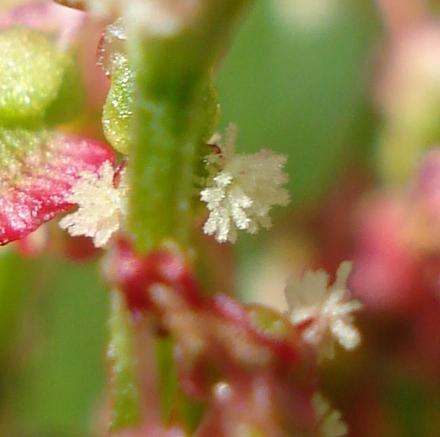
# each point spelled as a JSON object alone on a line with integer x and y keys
{"x": 32, "y": 73}
{"x": 118, "y": 107}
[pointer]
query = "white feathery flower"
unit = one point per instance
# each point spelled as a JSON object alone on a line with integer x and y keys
{"x": 241, "y": 189}
{"x": 325, "y": 311}
{"x": 101, "y": 205}
{"x": 330, "y": 421}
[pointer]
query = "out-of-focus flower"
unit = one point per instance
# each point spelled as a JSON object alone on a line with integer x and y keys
{"x": 408, "y": 93}
{"x": 425, "y": 217}
{"x": 409, "y": 84}
{"x": 241, "y": 190}
{"x": 163, "y": 282}
{"x": 247, "y": 363}
{"x": 101, "y": 205}
{"x": 428, "y": 183}
{"x": 324, "y": 312}
{"x": 46, "y": 16}
{"x": 387, "y": 273}
{"x": 330, "y": 421}
{"x": 134, "y": 274}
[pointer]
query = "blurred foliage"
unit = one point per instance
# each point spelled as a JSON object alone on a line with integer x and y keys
{"x": 60, "y": 350}
{"x": 302, "y": 93}
{"x": 15, "y": 274}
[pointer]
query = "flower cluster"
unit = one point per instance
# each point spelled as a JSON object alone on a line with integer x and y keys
{"x": 241, "y": 189}
{"x": 247, "y": 363}
{"x": 240, "y": 192}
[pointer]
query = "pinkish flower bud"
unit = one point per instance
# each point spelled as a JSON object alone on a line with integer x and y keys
{"x": 408, "y": 87}
{"x": 408, "y": 93}
{"x": 387, "y": 270}
{"x": 428, "y": 184}
{"x": 134, "y": 274}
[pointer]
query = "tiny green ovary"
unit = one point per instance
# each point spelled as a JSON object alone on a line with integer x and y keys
{"x": 118, "y": 107}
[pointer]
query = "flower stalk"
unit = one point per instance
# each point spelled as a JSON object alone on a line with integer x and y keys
{"x": 121, "y": 355}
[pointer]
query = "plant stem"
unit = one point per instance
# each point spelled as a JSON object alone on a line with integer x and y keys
{"x": 173, "y": 117}
{"x": 121, "y": 354}
{"x": 174, "y": 114}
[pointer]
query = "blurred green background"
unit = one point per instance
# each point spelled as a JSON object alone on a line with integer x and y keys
{"x": 295, "y": 86}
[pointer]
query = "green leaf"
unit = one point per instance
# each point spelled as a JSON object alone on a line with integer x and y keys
{"x": 125, "y": 395}
{"x": 63, "y": 379}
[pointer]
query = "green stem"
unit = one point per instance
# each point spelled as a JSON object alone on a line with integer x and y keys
{"x": 174, "y": 113}
{"x": 174, "y": 403}
{"x": 121, "y": 354}
{"x": 172, "y": 117}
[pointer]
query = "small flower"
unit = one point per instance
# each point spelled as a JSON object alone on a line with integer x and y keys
{"x": 330, "y": 422}
{"x": 324, "y": 312}
{"x": 241, "y": 189}
{"x": 101, "y": 205}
